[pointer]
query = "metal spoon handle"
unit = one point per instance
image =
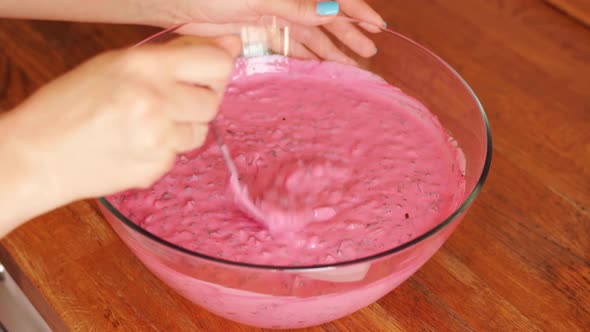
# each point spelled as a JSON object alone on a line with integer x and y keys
{"x": 224, "y": 150}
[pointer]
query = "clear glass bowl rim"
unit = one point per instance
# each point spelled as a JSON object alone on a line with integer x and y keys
{"x": 462, "y": 208}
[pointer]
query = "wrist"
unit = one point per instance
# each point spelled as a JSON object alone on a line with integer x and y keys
{"x": 26, "y": 191}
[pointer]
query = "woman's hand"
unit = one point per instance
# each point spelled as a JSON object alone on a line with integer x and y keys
{"x": 116, "y": 122}
{"x": 306, "y": 12}
{"x": 310, "y": 21}
{"x": 119, "y": 120}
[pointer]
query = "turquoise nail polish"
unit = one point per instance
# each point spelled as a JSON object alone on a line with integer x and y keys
{"x": 328, "y": 8}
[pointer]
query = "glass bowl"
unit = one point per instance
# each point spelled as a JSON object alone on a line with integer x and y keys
{"x": 295, "y": 297}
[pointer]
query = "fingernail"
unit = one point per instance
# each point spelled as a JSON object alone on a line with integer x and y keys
{"x": 384, "y": 24}
{"x": 328, "y": 8}
{"x": 376, "y": 50}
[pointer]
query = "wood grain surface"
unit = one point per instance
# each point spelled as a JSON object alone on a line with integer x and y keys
{"x": 578, "y": 9}
{"x": 520, "y": 261}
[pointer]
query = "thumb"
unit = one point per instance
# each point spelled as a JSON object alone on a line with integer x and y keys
{"x": 230, "y": 43}
{"x": 306, "y": 12}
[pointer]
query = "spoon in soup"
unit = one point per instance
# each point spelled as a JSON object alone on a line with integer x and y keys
{"x": 257, "y": 40}
{"x": 278, "y": 217}
{"x": 240, "y": 191}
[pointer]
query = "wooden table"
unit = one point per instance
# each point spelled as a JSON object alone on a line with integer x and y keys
{"x": 520, "y": 260}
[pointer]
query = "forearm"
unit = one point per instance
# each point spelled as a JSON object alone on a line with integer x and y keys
{"x": 102, "y": 11}
{"x": 25, "y": 189}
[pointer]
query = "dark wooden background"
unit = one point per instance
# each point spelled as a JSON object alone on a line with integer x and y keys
{"x": 520, "y": 260}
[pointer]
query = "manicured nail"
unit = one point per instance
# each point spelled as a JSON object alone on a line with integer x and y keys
{"x": 328, "y": 8}
{"x": 376, "y": 50}
{"x": 385, "y": 24}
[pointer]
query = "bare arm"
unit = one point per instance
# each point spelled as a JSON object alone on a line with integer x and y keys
{"x": 100, "y": 11}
